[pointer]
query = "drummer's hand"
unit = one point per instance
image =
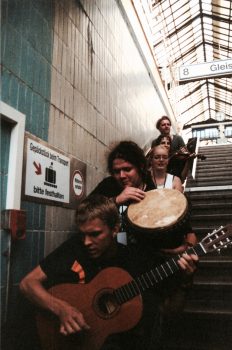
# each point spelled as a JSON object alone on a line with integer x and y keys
{"x": 130, "y": 193}
{"x": 188, "y": 263}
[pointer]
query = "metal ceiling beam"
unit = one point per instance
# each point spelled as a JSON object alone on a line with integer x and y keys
{"x": 221, "y": 87}
{"x": 196, "y": 104}
{"x": 203, "y": 32}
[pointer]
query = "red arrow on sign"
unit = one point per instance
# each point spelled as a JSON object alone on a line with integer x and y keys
{"x": 38, "y": 168}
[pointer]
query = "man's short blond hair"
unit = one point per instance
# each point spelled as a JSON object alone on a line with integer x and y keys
{"x": 98, "y": 207}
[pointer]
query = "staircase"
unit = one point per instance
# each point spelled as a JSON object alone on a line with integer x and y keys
{"x": 206, "y": 323}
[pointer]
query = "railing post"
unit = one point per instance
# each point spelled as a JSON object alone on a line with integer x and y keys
{"x": 195, "y": 159}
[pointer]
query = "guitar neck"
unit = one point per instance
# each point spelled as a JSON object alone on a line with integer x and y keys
{"x": 153, "y": 277}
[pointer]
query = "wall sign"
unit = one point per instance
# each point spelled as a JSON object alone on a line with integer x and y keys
{"x": 50, "y": 175}
{"x": 47, "y": 173}
{"x": 78, "y": 183}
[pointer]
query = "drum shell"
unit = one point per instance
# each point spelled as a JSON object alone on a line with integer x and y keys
{"x": 168, "y": 212}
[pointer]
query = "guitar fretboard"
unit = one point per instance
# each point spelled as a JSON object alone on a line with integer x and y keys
{"x": 152, "y": 278}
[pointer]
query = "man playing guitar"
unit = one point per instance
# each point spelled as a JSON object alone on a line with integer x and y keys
{"x": 78, "y": 262}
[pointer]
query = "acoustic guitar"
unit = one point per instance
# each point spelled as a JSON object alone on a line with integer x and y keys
{"x": 111, "y": 302}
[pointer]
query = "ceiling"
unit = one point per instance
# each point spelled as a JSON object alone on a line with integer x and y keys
{"x": 187, "y": 32}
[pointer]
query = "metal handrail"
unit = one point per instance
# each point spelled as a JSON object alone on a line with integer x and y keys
{"x": 195, "y": 159}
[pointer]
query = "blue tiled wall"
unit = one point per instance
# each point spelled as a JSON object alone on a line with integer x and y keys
{"x": 26, "y": 60}
{"x": 26, "y": 57}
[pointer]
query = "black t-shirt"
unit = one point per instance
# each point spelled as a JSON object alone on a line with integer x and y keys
{"x": 177, "y": 143}
{"x": 70, "y": 263}
{"x": 108, "y": 187}
{"x": 176, "y": 165}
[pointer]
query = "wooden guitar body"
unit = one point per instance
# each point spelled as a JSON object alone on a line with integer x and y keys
{"x": 102, "y": 313}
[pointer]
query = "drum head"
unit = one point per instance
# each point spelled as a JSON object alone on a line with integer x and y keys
{"x": 159, "y": 210}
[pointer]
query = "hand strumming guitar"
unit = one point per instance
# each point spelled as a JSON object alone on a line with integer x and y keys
{"x": 71, "y": 320}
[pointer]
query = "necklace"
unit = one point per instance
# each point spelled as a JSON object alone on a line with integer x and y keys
{"x": 159, "y": 185}
{"x": 142, "y": 186}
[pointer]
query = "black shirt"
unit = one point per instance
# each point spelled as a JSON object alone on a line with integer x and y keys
{"x": 70, "y": 262}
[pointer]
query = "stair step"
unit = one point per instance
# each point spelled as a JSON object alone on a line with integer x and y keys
{"x": 215, "y": 177}
{"x": 210, "y": 293}
{"x": 214, "y": 270}
{"x": 209, "y": 217}
{"x": 208, "y": 262}
{"x": 209, "y": 196}
{"x": 219, "y": 176}
{"x": 208, "y": 228}
{"x": 211, "y": 206}
{"x": 214, "y": 171}
{"x": 212, "y": 177}
{"x": 213, "y": 149}
{"x": 197, "y": 204}
{"x": 211, "y": 209}
{"x": 214, "y": 158}
{"x": 199, "y": 330}
{"x": 207, "y": 174}
{"x": 209, "y": 182}
{"x": 219, "y": 153}
{"x": 211, "y": 277}
{"x": 210, "y": 305}
{"x": 210, "y": 201}
{"x": 214, "y": 165}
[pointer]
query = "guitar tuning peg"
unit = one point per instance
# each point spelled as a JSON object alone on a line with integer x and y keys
{"x": 219, "y": 251}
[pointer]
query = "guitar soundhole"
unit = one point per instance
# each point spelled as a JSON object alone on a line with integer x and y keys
{"x": 105, "y": 304}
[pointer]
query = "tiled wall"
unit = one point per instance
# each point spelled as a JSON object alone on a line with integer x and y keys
{"x": 73, "y": 68}
{"x": 26, "y": 56}
{"x": 5, "y": 144}
{"x": 101, "y": 92}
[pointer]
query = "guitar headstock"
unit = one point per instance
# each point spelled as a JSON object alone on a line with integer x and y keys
{"x": 218, "y": 239}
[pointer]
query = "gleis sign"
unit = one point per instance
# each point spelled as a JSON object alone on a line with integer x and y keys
{"x": 205, "y": 70}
